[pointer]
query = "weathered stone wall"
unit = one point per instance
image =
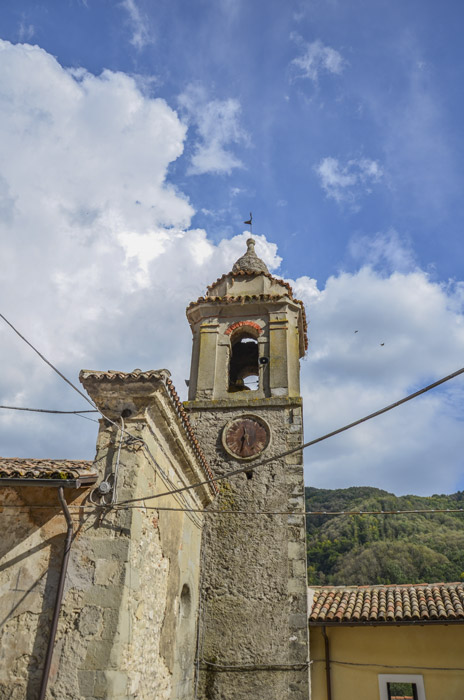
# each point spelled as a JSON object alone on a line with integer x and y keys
{"x": 254, "y": 592}
{"x": 127, "y": 627}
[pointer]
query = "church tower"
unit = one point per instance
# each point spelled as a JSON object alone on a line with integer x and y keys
{"x": 249, "y": 334}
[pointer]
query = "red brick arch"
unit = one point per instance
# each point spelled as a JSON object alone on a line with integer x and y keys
{"x": 241, "y": 324}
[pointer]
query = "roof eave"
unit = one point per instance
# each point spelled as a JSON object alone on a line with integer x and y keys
{"x": 80, "y": 482}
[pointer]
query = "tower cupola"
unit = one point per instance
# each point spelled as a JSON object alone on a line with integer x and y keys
{"x": 250, "y": 261}
{"x": 249, "y": 333}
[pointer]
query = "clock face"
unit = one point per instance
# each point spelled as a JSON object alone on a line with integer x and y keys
{"x": 246, "y": 437}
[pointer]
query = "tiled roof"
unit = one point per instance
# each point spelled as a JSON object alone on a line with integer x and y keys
{"x": 418, "y": 602}
{"x": 113, "y": 374}
{"x": 163, "y": 376}
{"x": 19, "y": 468}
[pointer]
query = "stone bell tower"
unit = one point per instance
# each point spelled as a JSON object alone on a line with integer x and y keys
{"x": 244, "y": 402}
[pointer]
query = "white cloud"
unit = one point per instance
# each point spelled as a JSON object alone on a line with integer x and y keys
{"x": 317, "y": 58}
{"x": 141, "y": 35}
{"x": 349, "y": 373}
{"x": 385, "y": 251}
{"x": 218, "y": 126}
{"x": 345, "y": 183}
{"x": 99, "y": 263}
{"x": 26, "y": 30}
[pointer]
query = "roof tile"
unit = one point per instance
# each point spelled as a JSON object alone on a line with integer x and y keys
{"x": 22, "y": 468}
{"x": 386, "y": 604}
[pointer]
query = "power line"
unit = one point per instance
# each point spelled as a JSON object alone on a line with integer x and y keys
{"x": 73, "y": 386}
{"x": 379, "y": 665}
{"x": 48, "y": 363}
{"x": 418, "y": 511}
{"x": 47, "y": 410}
{"x": 250, "y": 468}
{"x": 94, "y": 406}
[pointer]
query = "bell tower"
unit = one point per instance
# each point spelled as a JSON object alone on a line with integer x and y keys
{"x": 249, "y": 334}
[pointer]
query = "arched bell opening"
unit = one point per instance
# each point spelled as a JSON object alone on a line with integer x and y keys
{"x": 244, "y": 362}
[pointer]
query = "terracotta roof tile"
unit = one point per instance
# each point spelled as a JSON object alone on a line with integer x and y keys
{"x": 19, "y": 468}
{"x": 382, "y": 604}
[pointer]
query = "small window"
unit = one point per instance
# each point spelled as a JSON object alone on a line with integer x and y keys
{"x": 244, "y": 367}
{"x": 401, "y": 687}
{"x": 185, "y": 603}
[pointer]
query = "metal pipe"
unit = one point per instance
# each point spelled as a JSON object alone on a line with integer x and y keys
{"x": 327, "y": 664}
{"x": 59, "y": 596}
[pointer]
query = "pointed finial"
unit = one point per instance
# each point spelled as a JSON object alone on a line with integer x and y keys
{"x": 251, "y": 246}
{"x": 250, "y": 261}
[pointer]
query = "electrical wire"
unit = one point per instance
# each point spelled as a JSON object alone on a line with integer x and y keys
{"x": 251, "y": 467}
{"x": 419, "y": 668}
{"x": 47, "y": 410}
{"x": 48, "y": 363}
{"x": 248, "y": 468}
{"x": 73, "y": 386}
{"x": 423, "y": 511}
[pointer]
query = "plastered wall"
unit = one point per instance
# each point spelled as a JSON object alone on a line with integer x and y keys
{"x": 403, "y": 649}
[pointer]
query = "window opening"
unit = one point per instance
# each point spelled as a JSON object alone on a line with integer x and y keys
{"x": 401, "y": 687}
{"x": 243, "y": 368}
{"x": 185, "y": 602}
{"x": 402, "y": 691}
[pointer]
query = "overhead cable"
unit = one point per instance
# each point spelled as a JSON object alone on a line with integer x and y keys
{"x": 48, "y": 363}
{"x": 248, "y": 468}
{"x": 47, "y": 410}
{"x": 380, "y": 665}
{"x": 251, "y": 467}
{"x": 419, "y": 511}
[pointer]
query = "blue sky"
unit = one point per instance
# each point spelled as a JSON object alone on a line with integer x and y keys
{"x": 135, "y": 139}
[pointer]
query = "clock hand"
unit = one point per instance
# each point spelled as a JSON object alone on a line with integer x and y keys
{"x": 242, "y": 439}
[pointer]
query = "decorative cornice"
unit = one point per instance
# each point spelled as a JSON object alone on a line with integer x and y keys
{"x": 252, "y": 299}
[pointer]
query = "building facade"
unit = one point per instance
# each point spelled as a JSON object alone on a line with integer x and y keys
{"x": 127, "y": 618}
{"x": 397, "y": 641}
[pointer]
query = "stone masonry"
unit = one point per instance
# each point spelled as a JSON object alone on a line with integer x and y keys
{"x": 253, "y": 636}
{"x": 127, "y": 627}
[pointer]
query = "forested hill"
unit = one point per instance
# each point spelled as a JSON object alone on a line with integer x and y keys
{"x": 370, "y": 549}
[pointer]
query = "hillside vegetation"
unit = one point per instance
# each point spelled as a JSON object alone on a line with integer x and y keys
{"x": 370, "y": 549}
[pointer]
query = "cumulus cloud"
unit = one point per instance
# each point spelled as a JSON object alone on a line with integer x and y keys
{"x": 218, "y": 125}
{"x": 316, "y": 58}
{"x": 99, "y": 263}
{"x": 375, "y": 338}
{"x": 346, "y": 183}
{"x": 139, "y": 25}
